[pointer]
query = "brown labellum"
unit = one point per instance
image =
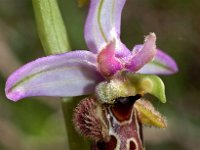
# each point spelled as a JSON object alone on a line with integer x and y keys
{"x": 111, "y": 144}
{"x": 112, "y": 127}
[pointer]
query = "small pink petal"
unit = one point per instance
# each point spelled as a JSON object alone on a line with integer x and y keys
{"x": 144, "y": 55}
{"x": 107, "y": 62}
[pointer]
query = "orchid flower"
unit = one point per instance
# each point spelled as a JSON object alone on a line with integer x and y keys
{"x": 78, "y": 72}
{"x": 110, "y": 73}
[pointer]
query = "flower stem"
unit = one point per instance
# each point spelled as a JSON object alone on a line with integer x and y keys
{"x": 51, "y": 29}
{"x": 53, "y": 36}
{"x": 76, "y": 141}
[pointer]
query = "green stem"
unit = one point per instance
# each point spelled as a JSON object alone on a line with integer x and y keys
{"x": 76, "y": 141}
{"x": 53, "y": 36}
{"x": 51, "y": 29}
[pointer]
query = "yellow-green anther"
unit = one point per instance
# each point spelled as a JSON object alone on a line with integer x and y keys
{"x": 130, "y": 84}
{"x": 151, "y": 84}
{"x": 107, "y": 92}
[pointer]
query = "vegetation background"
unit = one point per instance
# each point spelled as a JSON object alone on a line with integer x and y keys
{"x": 37, "y": 123}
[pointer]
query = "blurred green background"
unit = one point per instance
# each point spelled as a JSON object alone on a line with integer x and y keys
{"x": 37, "y": 123}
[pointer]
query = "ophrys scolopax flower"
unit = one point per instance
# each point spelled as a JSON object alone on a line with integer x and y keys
{"x": 113, "y": 74}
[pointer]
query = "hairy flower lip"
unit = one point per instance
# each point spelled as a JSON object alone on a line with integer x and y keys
{"x": 78, "y": 72}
